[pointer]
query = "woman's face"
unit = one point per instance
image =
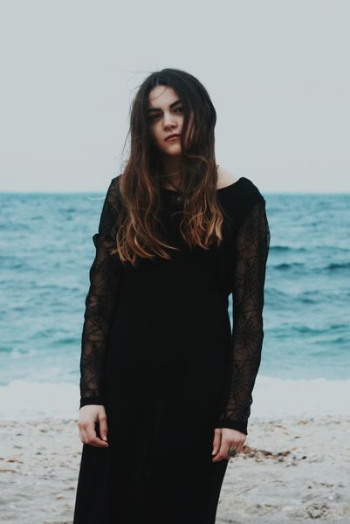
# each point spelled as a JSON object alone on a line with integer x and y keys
{"x": 165, "y": 116}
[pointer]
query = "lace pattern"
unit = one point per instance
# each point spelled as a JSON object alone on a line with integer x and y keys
{"x": 105, "y": 277}
{"x": 251, "y": 253}
{"x": 248, "y": 279}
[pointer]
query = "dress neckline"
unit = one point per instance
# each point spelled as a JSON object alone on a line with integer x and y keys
{"x": 217, "y": 190}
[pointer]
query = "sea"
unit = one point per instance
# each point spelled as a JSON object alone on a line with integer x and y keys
{"x": 47, "y": 250}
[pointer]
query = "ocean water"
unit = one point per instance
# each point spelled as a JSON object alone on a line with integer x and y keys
{"x": 46, "y": 252}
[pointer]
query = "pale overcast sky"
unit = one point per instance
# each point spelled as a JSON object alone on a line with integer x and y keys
{"x": 276, "y": 71}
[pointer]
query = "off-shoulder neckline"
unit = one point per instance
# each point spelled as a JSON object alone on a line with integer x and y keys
{"x": 218, "y": 189}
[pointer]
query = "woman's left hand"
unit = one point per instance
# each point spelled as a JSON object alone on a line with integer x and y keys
{"x": 226, "y": 439}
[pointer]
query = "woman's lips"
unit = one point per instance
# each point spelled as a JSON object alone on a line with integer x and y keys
{"x": 172, "y": 138}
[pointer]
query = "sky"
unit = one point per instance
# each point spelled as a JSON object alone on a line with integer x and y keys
{"x": 275, "y": 70}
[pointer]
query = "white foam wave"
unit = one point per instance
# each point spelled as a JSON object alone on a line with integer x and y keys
{"x": 272, "y": 397}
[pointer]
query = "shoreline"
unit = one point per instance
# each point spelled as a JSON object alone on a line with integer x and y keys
{"x": 273, "y": 397}
{"x": 292, "y": 469}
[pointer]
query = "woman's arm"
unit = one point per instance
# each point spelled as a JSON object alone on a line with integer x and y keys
{"x": 251, "y": 252}
{"x": 105, "y": 277}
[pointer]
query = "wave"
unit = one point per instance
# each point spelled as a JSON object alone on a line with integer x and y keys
{"x": 272, "y": 397}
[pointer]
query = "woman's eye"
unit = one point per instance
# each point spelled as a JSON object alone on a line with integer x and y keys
{"x": 153, "y": 117}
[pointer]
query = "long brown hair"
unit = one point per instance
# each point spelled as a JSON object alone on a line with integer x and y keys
{"x": 139, "y": 229}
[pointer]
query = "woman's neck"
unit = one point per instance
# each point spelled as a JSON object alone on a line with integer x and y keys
{"x": 171, "y": 175}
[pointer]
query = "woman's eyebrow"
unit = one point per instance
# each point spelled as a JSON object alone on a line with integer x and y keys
{"x": 151, "y": 109}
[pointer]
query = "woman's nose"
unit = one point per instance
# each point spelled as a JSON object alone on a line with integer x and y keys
{"x": 169, "y": 120}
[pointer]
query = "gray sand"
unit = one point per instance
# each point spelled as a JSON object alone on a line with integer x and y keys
{"x": 291, "y": 471}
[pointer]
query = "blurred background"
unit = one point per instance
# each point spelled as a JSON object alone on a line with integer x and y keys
{"x": 277, "y": 75}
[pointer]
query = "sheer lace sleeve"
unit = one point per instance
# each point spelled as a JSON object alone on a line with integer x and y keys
{"x": 105, "y": 275}
{"x": 251, "y": 253}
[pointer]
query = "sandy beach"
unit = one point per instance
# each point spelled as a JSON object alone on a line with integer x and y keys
{"x": 291, "y": 470}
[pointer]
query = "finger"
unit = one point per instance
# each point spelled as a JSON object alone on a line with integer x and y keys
{"x": 223, "y": 451}
{"x": 217, "y": 441}
{"x": 103, "y": 427}
{"x": 239, "y": 446}
{"x": 84, "y": 437}
{"x": 226, "y": 447}
{"x": 93, "y": 439}
{"x": 242, "y": 446}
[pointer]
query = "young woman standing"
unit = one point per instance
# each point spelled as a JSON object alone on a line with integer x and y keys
{"x": 166, "y": 384}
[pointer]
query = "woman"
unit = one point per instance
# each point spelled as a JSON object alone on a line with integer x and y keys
{"x": 166, "y": 386}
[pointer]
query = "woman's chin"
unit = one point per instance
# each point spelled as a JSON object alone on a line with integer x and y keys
{"x": 172, "y": 151}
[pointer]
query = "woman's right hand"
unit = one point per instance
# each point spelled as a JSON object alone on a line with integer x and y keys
{"x": 88, "y": 416}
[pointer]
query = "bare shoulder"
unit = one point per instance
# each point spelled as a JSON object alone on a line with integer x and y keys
{"x": 225, "y": 177}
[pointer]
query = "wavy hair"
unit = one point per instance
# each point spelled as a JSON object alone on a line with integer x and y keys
{"x": 139, "y": 230}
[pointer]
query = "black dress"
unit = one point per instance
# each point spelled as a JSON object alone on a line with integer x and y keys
{"x": 159, "y": 353}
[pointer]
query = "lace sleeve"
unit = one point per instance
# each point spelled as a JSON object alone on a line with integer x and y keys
{"x": 104, "y": 275}
{"x": 251, "y": 253}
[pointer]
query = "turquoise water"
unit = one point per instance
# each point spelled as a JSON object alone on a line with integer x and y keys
{"x": 47, "y": 250}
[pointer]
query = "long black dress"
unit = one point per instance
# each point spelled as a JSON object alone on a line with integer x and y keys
{"x": 159, "y": 353}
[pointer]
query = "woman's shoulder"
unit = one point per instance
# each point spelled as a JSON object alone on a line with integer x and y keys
{"x": 238, "y": 187}
{"x": 245, "y": 186}
{"x": 250, "y": 191}
{"x": 113, "y": 193}
{"x": 225, "y": 178}
{"x": 115, "y": 181}
{"x": 240, "y": 198}
{"x": 232, "y": 189}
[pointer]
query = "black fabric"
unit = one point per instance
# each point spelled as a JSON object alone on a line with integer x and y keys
{"x": 159, "y": 353}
